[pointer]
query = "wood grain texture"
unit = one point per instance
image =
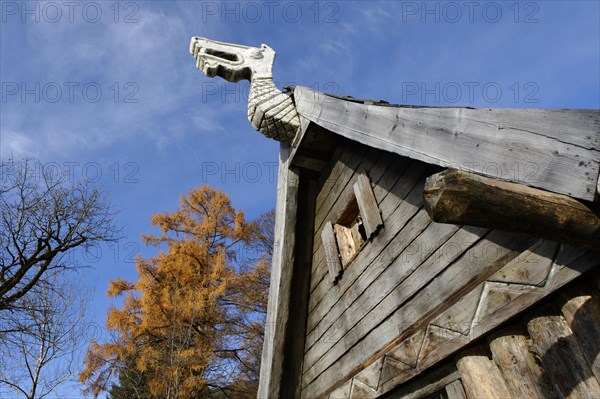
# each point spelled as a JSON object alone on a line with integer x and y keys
{"x": 400, "y": 259}
{"x": 523, "y": 375}
{"x": 313, "y": 146}
{"x": 477, "y": 312}
{"x": 386, "y": 165}
{"x": 397, "y": 214}
{"x": 295, "y": 326}
{"x": 464, "y": 198}
{"x": 581, "y": 310}
{"x": 331, "y": 250}
{"x": 455, "y": 390}
{"x": 480, "y": 376}
{"x": 278, "y": 310}
{"x": 433, "y": 382}
{"x": 402, "y": 202}
{"x": 335, "y": 202}
{"x": 556, "y": 150}
{"x": 562, "y": 358}
{"x": 369, "y": 210}
{"x": 433, "y": 297}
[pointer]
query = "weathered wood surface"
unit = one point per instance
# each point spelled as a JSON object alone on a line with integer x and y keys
{"x": 562, "y": 358}
{"x": 295, "y": 326}
{"x": 523, "y": 375}
{"x": 396, "y": 214}
{"x": 455, "y": 390}
{"x": 342, "y": 193}
{"x": 330, "y": 188}
{"x": 556, "y": 150}
{"x": 458, "y": 197}
{"x": 349, "y": 242}
{"x": 342, "y": 392}
{"x": 367, "y": 204}
{"x": 385, "y": 172}
{"x": 432, "y": 295}
{"x": 434, "y": 381}
{"x": 334, "y": 265}
{"x": 475, "y": 313}
{"x": 375, "y": 257}
{"x": 581, "y": 310}
{"x": 312, "y": 147}
{"x": 278, "y": 308}
{"x": 337, "y": 188}
{"x": 359, "y": 300}
{"x": 346, "y": 160}
{"x": 396, "y": 211}
{"x": 413, "y": 245}
{"x": 334, "y": 197}
{"x": 480, "y": 376}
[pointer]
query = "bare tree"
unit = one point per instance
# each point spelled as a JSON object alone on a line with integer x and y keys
{"x": 43, "y": 216}
{"x": 41, "y": 343}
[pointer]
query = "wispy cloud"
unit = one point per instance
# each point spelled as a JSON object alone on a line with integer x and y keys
{"x": 16, "y": 145}
{"x": 143, "y": 78}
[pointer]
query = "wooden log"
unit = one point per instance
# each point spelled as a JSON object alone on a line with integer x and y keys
{"x": 453, "y": 196}
{"x": 562, "y": 359}
{"x": 480, "y": 376}
{"x": 523, "y": 375}
{"x": 582, "y": 313}
{"x": 455, "y": 390}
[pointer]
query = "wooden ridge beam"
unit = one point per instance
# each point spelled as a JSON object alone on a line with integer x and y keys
{"x": 457, "y": 197}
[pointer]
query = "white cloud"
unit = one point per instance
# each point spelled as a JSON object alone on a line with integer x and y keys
{"x": 15, "y": 145}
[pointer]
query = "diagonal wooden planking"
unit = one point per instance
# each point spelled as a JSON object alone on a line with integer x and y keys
{"x": 442, "y": 337}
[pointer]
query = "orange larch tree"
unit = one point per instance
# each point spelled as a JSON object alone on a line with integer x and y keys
{"x": 193, "y": 321}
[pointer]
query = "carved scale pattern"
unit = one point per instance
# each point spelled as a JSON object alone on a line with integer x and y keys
{"x": 272, "y": 112}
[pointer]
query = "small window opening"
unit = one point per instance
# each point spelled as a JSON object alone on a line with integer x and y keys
{"x": 350, "y": 233}
{"x": 358, "y": 223}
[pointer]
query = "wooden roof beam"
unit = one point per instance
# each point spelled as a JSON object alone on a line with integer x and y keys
{"x": 554, "y": 150}
{"x": 457, "y": 197}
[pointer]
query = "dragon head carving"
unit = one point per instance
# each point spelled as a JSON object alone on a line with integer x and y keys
{"x": 270, "y": 111}
{"x": 232, "y": 62}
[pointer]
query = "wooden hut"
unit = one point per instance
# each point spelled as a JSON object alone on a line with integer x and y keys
{"x": 425, "y": 252}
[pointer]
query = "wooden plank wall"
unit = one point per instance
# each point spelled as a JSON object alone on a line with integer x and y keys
{"x": 397, "y": 185}
{"x": 549, "y": 352}
{"x": 413, "y": 274}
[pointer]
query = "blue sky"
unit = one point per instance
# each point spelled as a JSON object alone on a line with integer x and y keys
{"x": 108, "y": 92}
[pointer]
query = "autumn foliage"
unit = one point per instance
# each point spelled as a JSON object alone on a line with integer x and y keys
{"x": 192, "y": 324}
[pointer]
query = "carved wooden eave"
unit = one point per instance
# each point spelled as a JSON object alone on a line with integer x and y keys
{"x": 270, "y": 111}
{"x": 554, "y": 150}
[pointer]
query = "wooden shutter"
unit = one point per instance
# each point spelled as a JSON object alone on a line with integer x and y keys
{"x": 331, "y": 252}
{"x": 367, "y": 204}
